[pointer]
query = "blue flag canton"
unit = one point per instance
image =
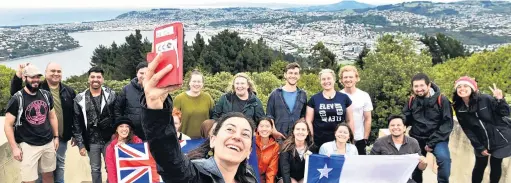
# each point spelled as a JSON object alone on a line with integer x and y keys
{"x": 322, "y": 169}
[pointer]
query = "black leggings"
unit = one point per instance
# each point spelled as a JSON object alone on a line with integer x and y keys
{"x": 495, "y": 169}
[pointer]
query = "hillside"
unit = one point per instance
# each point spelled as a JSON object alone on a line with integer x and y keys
{"x": 343, "y": 5}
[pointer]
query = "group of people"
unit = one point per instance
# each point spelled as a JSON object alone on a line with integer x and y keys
{"x": 42, "y": 117}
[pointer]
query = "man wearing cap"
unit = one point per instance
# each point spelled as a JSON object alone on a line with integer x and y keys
{"x": 430, "y": 115}
{"x": 31, "y": 128}
{"x": 63, "y": 96}
{"x": 128, "y": 101}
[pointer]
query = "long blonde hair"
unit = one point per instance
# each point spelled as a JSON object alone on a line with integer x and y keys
{"x": 251, "y": 85}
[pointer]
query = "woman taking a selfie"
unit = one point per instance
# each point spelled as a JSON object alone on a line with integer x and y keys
{"x": 267, "y": 151}
{"x": 295, "y": 150}
{"x": 343, "y": 143}
{"x": 485, "y": 121}
{"x": 240, "y": 98}
{"x": 123, "y": 135}
{"x": 327, "y": 109}
{"x": 229, "y": 146}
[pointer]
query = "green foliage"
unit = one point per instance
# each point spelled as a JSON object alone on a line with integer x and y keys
{"x": 487, "y": 68}
{"x": 359, "y": 62}
{"x": 116, "y": 60}
{"x": 443, "y": 47}
{"x": 310, "y": 83}
{"x": 114, "y": 84}
{"x": 386, "y": 76}
{"x": 5, "y": 81}
{"x": 278, "y": 68}
{"x": 322, "y": 57}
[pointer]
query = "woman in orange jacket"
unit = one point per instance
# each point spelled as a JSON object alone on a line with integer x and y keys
{"x": 267, "y": 151}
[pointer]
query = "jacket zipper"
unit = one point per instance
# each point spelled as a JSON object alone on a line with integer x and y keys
{"x": 502, "y": 136}
{"x": 485, "y": 131}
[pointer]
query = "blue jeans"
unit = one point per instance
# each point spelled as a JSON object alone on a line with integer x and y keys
{"x": 58, "y": 174}
{"x": 443, "y": 159}
{"x": 94, "y": 153}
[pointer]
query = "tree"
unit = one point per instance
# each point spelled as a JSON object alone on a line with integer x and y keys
{"x": 487, "y": 68}
{"x": 322, "y": 57}
{"x": 278, "y": 68}
{"x": 359, "y": 62}
{"x": 443, "y": 48}
{"x": 117, "y": 59}
{"x": 387, "y": 73}
{"x": 5, "y": 81}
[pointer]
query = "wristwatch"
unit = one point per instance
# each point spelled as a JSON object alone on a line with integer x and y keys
{"x": 55, "y": 137}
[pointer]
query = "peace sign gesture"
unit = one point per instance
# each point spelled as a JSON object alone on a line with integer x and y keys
{"x": 497, "y": 93}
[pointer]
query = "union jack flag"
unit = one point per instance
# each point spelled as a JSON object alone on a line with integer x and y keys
{"x": 135, "y": 164}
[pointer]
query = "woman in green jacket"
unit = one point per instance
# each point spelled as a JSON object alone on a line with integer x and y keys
{"x": 241, "y": 97}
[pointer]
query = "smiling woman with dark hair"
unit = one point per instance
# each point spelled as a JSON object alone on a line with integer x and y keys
{"x": 228, "y": 150}
{"x": 485, "y": 121}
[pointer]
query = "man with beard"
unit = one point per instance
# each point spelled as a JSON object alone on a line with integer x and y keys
{"x": 430, "y": 115}
{"x": 93, "y": 120}
{"x": 287, "y": 104}
{"x": 63, "y": 96}
{"x": 128, "y": 101}
{"x": 31, "y": 128}
{"x": 362, "y": 106}
{"x": 397, "y": 143}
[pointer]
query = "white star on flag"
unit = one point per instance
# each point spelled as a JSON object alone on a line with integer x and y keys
{"x": 324, "y": 172}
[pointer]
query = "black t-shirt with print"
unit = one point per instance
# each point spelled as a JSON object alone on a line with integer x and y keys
{"x": 35, "y": 126}
{"x": 328, "y": 113}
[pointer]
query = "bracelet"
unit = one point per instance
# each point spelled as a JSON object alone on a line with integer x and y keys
{"x": 55, "y": 137}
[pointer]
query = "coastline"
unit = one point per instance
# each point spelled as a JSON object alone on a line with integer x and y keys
{"x": 42, "y": 54}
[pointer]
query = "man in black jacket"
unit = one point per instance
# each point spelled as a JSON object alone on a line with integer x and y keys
{"x": 93, "y": 120}
{"x": 430, "y": 115}
{"x": 128, "y": 101}
{"x": 63, "y": 96}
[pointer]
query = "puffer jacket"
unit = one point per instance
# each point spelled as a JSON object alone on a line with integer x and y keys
{"x": 110, "y": 158}
{"x": 253, "y": 109}
{"x": 430, "y": 121}
{"x": 486, "y": 124}
{"x": 128, "y": 104}
{"x": 175, "y": 166}
{"x": 268, "y": 159}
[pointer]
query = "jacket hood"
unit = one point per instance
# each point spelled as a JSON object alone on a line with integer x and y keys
{"x": 135, "y": 84}
{"x": 436, "y": 89}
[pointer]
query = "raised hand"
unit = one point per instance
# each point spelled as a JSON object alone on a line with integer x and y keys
{"x": 497, "y": 93}
{"x": 154, "y": 95}
{"x": 19, "y": 72}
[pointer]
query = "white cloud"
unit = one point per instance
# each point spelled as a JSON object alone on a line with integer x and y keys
{"x": 163, "y": 3}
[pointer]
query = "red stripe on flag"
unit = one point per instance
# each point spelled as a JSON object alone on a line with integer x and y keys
{"x": 129, "y": 152}
{"x": 137, "y": 176}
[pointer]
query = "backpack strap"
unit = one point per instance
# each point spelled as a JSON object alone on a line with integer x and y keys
{"x": 20, "y": 108}
{"x": 410, "y": 102}
{"x": 439, "y": 100}
{"x": 46, "y": 96}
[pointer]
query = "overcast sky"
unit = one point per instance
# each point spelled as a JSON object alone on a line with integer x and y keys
{"x": 165, "y": 3}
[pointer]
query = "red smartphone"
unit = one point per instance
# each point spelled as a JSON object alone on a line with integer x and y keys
{"x": 168, "y": 40}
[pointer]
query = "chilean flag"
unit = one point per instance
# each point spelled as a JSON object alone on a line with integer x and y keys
{"x": 360, "y": 169}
